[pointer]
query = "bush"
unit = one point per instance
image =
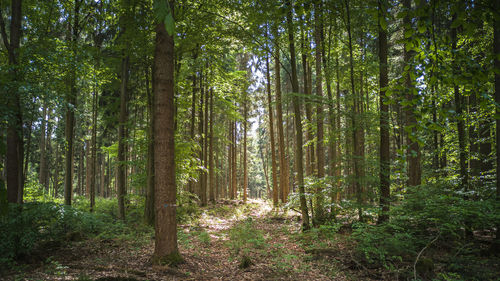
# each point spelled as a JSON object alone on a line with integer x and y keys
{"x": 31, "y": 226}
{"x": 429, "y": 213}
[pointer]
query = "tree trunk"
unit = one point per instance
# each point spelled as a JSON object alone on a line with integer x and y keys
{"x": 298, "y": 121}
{"x": 245, "y": 164}
{"x": 283, "y": 163}
{"x": 15, "y": 146}
{"x": 319, "y": 212}
{"x": 149, "y": 207}
{"x": 496, "y": 52}
{"x": 166, "y": 249}
{"x": 385, "y": 168}
{"x": 122, "y": 147}
{"x": 42, "y": 173}
{"x": 94, "y": 151}
{"x": 357, "y": 155}
{"x": 211, "y": 164}
{"x": 464, "y": 174}
{"x": 271, "y": 132}
{"x": 413, "y": 154}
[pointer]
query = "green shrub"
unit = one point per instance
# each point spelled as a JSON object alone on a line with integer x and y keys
{"x": 244, "y": 237}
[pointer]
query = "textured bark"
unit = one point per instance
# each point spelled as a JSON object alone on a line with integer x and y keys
{"x": 71, "y": 100}
{"x": 298, "y": 122}
{"x": 166, "y": 249}
{"x": 384, "y": 117}
{"x": 122, "y": 147}
{"x": 15, "y": 147}
{"x": 413, "y": 154}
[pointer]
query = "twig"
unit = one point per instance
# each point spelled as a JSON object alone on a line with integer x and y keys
{"x": 420, "y": 253}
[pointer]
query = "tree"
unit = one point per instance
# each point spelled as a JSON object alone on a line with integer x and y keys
{"x": 166, "y": 249}
{"x": 385, "y": 171}
{"x": 298, "y": 120}
{"x": 15, "y": 148}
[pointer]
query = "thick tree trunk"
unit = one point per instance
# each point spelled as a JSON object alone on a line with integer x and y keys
{"x": 166, "y": 250}
{"x": 385, "y": 168}
{"x": 496, "y": 52}
{"x": 122, "y": 147}
{"x": 15, "y": 146}
{"x": 298, "y": 121}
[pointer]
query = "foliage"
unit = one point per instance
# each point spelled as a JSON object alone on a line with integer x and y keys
{"x": 428, "y": 213}
{"x": 244, "y": 237}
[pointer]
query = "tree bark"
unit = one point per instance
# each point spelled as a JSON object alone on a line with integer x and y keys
{"x": 385, "y": 168}
{"x": 319, "y": 212}
{"x": 211, "y": 164}
{"x": 298, "y": 121}
{"x": 122, "y": 147}
{"x": 15, "y": 146}
{"x": 166, "y": 249}
{"x": 271, "y": 133}
{"x": 413, "y": 153}
{"x": 149, "y": 208}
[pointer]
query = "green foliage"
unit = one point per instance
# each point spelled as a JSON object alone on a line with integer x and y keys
{"x": 432, "y": 216}
{"x": 244, "y": 237}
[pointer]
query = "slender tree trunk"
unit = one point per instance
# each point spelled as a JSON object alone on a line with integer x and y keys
{"x": 319, "y": 212}
{"x": 70, "y": 110}
{"x": 230, "y": 159}
{"x": 193, "y": 117}
{"x": 307, "y": 91}
{"x": 233, "y": 169}
{"x": 357, "y": 155}
{"x": 245, "y": 164}
{"x": 200, "y": 135}
{"x": 413, "y": 154}
{"x": 43, "y": 145}
{"x": 204, "y": 176}
{"x": 149, "y": 207}
{"x": 166, "y": 249}
{"x": 298, "y": 121}
{"x": 211, "y": 164}
{"x": 122, "y": 147}
{"x": 385, "y": 168}
{"x": 464, "y": 175}
{"x": 28, "y": 152}
{"x": 283, "y": 163}
{"x": 94, "y": 150}
{"x": 271, "y": 132}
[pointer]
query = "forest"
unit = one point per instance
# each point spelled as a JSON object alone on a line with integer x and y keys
{"x": 249, "y": 140}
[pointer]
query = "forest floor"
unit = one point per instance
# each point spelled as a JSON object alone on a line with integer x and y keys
{"x": 229, "y": 241}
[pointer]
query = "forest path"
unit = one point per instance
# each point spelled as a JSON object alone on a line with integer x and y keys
{"x": 230, "y": 241}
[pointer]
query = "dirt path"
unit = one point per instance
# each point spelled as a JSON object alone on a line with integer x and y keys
{"x": 243, "y": 242}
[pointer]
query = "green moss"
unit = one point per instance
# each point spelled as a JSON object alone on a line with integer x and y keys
{"x": 172, "y": 259}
